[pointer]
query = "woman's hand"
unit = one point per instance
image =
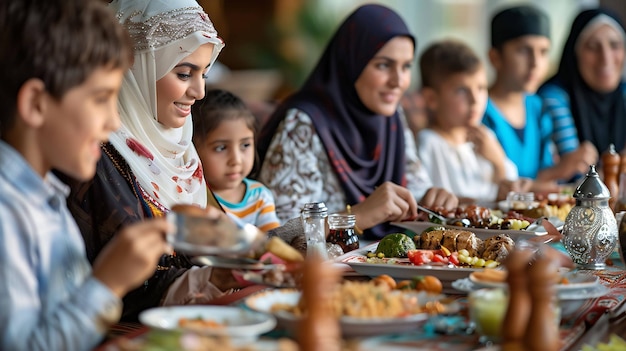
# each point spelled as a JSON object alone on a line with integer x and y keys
{"x": 437, "y": 197}
{"x": 389, "y": 202}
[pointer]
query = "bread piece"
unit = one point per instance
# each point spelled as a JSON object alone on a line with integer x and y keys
{"x": 283, "y": 250}
{"x": 490, "y": 275}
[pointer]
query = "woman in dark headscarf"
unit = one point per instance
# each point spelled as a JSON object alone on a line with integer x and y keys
{"x": 586, "y": 97}
{"x": 341, "y": 139}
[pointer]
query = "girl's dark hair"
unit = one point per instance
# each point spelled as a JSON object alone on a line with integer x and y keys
{"x": 216, "y": 107}
{"x": 61, "y": 42}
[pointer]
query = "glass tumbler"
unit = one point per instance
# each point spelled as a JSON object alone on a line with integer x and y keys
{"x": 487, "y": 308}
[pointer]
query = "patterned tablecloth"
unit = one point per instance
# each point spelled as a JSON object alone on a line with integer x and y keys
{"x": 589, "y": 324}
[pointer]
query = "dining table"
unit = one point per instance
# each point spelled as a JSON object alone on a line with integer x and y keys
{"x": 593, "y": 322}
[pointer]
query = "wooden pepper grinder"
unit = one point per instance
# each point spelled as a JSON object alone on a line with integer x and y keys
{"x": 319, "y": 330}
{"x": 519, "y": 307}
{"x": 542, "y": 331}
{"x": 611, "y": 170}
{"x": 620, "y": 205}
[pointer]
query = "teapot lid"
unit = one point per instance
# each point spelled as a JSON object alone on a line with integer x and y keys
{"x": 592, "y": 187}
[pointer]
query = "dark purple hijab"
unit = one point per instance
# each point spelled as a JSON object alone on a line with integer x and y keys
{"x": 599, "y": 117}
{"x": 365, "y": 149}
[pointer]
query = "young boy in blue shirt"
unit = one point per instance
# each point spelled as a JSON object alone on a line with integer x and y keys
{"x": 520, "y": 42}
{"x": 63, "y": 63}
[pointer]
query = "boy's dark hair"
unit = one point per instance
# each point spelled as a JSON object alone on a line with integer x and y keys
{"x": 218, "y": 106}
{"x": 445, "y": 58}
{"x": 514, "y": 22}
{"x": 60, "y": 42}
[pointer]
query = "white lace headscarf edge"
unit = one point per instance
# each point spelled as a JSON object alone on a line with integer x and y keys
{"x": 169, "y": 170}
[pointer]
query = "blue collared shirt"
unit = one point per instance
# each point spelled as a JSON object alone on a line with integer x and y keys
{"x": 48, "y": 298}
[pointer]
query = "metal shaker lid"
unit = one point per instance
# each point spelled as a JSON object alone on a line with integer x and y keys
{"x": 315, "y": 207}
{"x": 592, "y": 187}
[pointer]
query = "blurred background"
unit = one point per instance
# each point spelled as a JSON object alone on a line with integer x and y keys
{"x": 271, "y": 45}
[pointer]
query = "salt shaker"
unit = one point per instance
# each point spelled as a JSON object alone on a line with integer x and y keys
{"x": 590, "y": 229}
{"x": 314, "y": 223}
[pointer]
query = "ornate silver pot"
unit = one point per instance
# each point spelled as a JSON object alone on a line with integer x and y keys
{"x": 590, "y": 230}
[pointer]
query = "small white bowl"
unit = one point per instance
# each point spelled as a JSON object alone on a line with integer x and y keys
{"x": 238, "y": 324}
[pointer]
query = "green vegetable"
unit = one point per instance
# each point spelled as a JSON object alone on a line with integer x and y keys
{"x": 434, "y": 219}
{"x": 433, "y": 228}
{"x": 395, "y": 245}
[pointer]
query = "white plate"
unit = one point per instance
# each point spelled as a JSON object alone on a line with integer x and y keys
{"x": 577, "y": 281}
{"x": 570, "y": 300}
{"x": 402, "y": 268}
{"x": 419, "y": 226}
{"x": 238, "y": 323}
{"x": 585, "y": 291}
{"x": 504, "y": 205}
{"x": 350, "y": 327}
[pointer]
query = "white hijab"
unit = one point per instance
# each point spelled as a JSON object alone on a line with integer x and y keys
{"x": 163, "y": 159}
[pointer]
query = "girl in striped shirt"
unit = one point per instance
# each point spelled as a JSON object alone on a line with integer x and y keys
{"x": 224, "y": 132}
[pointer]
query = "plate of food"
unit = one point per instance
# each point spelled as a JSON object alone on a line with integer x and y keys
{"x": 364, "y": 261}
{"x": 362, "y": 309}
{"x": 235, "y": 322}
{"x": 197, "y": 234}
{"x": 448, "y": 254}
{"x": 482, "y": 221}
{"x": 567, "y": 281}
{"x": 418, "y": 227}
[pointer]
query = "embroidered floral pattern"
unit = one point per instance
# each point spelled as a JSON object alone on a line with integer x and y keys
{"x": 167, "y": 27}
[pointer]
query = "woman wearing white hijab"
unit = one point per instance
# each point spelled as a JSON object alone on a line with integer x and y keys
{"x": 150, "y": 163}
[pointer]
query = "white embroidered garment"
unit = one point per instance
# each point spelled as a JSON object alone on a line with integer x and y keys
{"x": 458, "y": 168}
{"x": 163, "y": 160}
{"x": 297, "y": 168}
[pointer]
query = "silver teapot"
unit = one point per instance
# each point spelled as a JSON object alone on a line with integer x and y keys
{"x": 590, "y": 230}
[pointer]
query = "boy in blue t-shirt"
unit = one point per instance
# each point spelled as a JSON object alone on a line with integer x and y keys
{"x": 520, "y": 42}
{"x": 59, "y": 99}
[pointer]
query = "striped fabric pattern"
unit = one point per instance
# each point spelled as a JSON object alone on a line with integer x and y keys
{"x": 256, "y": 207}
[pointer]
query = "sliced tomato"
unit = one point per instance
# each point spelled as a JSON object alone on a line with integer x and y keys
{"x": 439, "y": 258}
{"x": 419, "y": 257}
{"x": 454, "y": 259}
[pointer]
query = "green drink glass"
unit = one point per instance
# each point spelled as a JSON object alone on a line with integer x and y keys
{"x": 487, "y": 308}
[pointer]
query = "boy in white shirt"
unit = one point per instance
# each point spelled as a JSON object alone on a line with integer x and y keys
{"x": 461, "y": 155}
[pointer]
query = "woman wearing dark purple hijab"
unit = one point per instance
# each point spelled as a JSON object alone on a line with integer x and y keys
{"x": 341, "y": 138}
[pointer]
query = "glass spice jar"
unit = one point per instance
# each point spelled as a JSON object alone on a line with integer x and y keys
{"x": 341, "y": 231}
{"x": 313, "y": 222}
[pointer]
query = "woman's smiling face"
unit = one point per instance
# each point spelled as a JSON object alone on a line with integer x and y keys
{"x": 386, "y": 76}
{"x": 182, "y": 86}
{"x": 601, "y": 58}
